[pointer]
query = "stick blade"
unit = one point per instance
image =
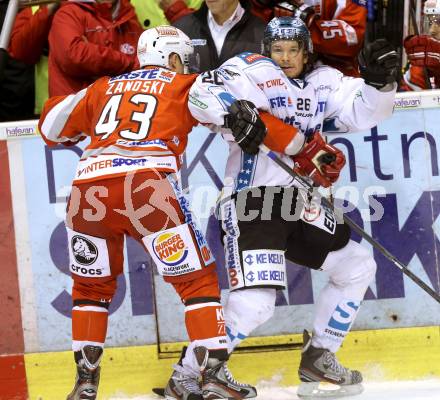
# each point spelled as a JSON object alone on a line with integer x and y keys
{"x": 159, "y": 391}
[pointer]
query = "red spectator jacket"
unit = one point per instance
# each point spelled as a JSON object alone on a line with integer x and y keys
{"x": 337, "y": 32}
{"x": 29, "y": 34}
{"x": 86, "y": 43}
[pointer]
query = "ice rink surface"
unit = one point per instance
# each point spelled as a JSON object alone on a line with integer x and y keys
{"x": 417, "y": 390}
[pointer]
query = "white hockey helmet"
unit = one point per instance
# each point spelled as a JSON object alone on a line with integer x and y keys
{"x": 156, "y": 44}
{"x": 431, "y": 7}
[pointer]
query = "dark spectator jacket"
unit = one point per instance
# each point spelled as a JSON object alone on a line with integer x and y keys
{"x": 16, "y": 85}
{"x": 246, "y": 35}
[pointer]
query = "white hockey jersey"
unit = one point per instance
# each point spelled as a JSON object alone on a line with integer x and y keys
{"x": 324, "y": 101}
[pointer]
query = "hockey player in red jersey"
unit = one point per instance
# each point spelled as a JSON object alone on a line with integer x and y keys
{"x": 126, "y": 184}
{"x": 424, "y": 52}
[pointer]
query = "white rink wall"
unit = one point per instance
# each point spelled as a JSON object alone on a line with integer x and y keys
{"x": 392, "y": 169}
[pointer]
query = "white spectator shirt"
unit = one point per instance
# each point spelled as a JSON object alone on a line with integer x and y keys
{"x": 325, "y": 101}
{"x": 219, "y": 32}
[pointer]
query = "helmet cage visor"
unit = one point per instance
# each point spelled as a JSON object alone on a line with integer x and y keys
{"x": 300, "y": 38}
{"x": 428, "y": 21}
{"x": 185, "y": 51}
{"x": 193, "y": 63}
{"x": 286, "y": 28}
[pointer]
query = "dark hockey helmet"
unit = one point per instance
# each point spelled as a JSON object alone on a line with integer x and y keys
{"x": 287, "y": 28}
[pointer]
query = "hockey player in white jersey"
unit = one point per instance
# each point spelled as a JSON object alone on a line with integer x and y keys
{"x": 313, "y": 99}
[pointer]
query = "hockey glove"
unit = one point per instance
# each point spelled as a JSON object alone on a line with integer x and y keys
{"x": 268, "y": 3}
{"x": 423, "y": 51}
{"x": 378, "y": 63}
{"x": 320, "y": 161}
{"x": 295, "y": 9}
{"x": 246, "y": 125}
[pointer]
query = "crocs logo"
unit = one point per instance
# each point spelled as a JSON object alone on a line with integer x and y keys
{"x": 84, "y": 250}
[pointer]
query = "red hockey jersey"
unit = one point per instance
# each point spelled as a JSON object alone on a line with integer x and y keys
{"x": 138, "y": 120}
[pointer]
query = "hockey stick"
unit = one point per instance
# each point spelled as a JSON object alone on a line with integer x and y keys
{"x": 31, "y": 3}
{"x": 412, "y": 12}
{"x": 159, "y": 391}
{"x": 356, "y": 228}
{"x": 5, "y": 34}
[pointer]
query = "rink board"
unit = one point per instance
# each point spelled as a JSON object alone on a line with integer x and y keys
{"x": 389, "y": 354}
{"x": 392, "y": 169}
{"x": 398, "y": 160}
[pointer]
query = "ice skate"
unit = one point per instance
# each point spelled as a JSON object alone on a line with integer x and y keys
{"x": 321, "y": 366}
{"x": 86, "y": 386}
{"x": 181, "y": 386}
{"x": 87, "y": 376}
{"x": 217, "y": 380}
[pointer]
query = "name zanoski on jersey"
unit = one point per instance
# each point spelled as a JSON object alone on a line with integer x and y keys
{"x": 152, "y": 87}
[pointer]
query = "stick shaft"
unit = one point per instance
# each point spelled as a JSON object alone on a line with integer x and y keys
{"x": 412, "y": 13}
{"x": 355, "y": 227}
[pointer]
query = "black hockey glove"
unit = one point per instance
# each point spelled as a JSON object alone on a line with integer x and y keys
{"x": 296, "y": 10}
{"x": 378, "y": 63}
{"x": 268, "y": 3}
{"x": 246, "y": 125}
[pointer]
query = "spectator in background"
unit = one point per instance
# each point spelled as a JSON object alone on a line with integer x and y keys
{"x": 176, "y": 9}
{"x": 221, "y": 29}
{"x": 16, "y": 85}
{"x": 150, "y": 12}
{"x": 89, "y": 40}
{"x": 337, "y": 27}
{"x": 29, "y": 44}
{"x": 424, "y": 52}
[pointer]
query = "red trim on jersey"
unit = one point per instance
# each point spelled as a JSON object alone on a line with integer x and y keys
{"x": 13, "y": 378}
{"x": 12, "y": 371}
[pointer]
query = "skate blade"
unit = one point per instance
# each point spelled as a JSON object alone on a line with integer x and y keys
{"x": 224, "y": 395}
{"x": 159, "y": 391}
{"x": 324, "y": 390}
{"x": 208, "y": 395}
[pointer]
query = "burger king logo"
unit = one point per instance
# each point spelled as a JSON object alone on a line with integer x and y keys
{"x": 170, "y": 248}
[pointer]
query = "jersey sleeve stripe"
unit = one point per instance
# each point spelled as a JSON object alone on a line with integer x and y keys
{"x": 56, "y": 118}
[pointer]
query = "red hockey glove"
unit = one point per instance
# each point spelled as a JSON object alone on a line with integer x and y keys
{"x": 320, "y": 161}
{"x": 423, "y": 51}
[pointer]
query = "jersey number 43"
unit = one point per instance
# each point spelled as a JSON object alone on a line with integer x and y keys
{"x": 109, "y": 119}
